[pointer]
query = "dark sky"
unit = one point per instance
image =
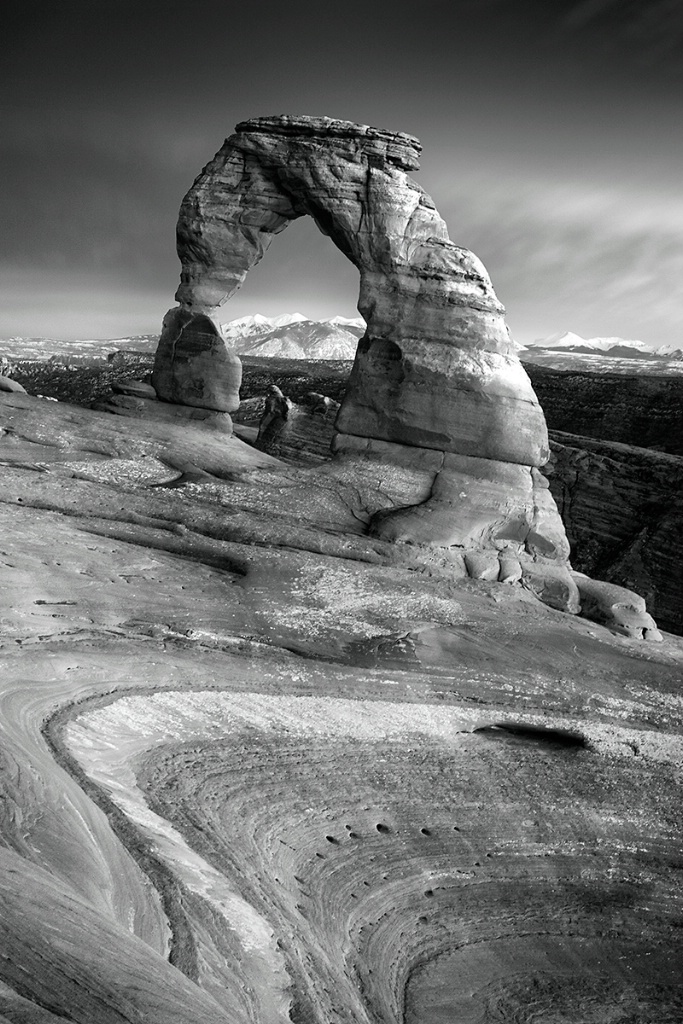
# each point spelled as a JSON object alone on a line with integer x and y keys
{"x": 551, "y": 133}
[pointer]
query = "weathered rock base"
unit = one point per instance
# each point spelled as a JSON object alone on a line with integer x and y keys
{"x": 193, "y": 364}
{"x": 428, "y": 393}
{"x": 500, "y": 516}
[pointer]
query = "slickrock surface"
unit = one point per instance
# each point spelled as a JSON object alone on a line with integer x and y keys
{"x": 260, "y": 766}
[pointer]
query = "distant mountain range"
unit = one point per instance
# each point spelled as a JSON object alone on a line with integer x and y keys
{"x": 616, "y": 347}
{"x": 294, "y": 336}
{"x": 289, "y": 336}
{"x": 79, "y": 350}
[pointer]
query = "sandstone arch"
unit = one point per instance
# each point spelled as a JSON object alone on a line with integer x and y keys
{"x": 437, "y": 390}
{"x": 463, "y": 388}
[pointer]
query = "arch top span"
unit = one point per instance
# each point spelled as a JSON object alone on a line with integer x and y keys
{"x": 350, "y": 178}
{"x": 397, "y": 147}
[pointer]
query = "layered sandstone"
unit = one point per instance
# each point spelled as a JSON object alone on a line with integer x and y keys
{"x": 635, "y": 409}
{"x": 623, "y": 509}
{"x": 436, "y": 367}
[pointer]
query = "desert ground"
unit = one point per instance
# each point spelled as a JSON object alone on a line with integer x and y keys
{"x": 261, "y": 767}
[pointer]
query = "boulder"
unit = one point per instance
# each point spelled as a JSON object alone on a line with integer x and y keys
{"x": 616, "y": 607}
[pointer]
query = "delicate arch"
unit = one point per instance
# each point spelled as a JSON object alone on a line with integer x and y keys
{"x": 463, "y": 389}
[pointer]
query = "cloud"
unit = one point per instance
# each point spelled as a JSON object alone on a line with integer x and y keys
{"x": 601, "y": 260}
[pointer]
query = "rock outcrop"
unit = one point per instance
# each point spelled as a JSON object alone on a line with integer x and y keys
{"x": 636, "y": 409}
{"x": 436, "y": 380}
{"x": 623, "y": 510}
{"x": 9, "y": 385}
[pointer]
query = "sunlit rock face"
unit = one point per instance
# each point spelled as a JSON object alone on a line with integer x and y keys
{"x": 436, "y": 379}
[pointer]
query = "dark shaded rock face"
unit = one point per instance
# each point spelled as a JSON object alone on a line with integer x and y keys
{"x": 637, "y": 410}
{"x": 194, "y": 366}
{"x": 623, "y": 510}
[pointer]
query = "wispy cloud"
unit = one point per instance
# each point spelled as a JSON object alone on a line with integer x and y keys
{"x": 596, "y": 259}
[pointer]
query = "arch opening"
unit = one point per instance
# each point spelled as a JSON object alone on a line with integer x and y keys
{"x": 304, "y": 272}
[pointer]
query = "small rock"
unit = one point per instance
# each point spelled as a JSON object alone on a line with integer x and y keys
{"x": 510, "y": 568}
{"x": 616, "y": 607}
{"x": 275, "y": 415}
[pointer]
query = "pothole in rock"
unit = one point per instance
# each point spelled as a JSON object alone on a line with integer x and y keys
{"x": 540, "y": 734}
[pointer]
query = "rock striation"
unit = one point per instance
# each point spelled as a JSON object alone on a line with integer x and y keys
{"x": 638, "y": 408}
{"x": 623, "y": 510}
{"x": 436, "y": 382}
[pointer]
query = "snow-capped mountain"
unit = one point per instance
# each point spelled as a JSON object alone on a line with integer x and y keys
{"x": 287, "y": 336}
{"x": 294, "y": 336}
{"x": 569, "y": 351}
{"x": 351, "y": 323}
{"x": 667, "y": 352}
{"x": 251, "y": 326}
{"x": 575, "y": 343}
{"x": 619, "y": 348}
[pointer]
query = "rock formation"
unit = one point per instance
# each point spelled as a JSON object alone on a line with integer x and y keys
{"x": 7, "y": 384}
{"x": 256, "y": 768}
{"x": 275, "y": 415}
{"x": 636, "y": 409}
{"x": 436, "y": 380}
{"x": 623, "y": 510}
{"x": 193, "y": 364}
